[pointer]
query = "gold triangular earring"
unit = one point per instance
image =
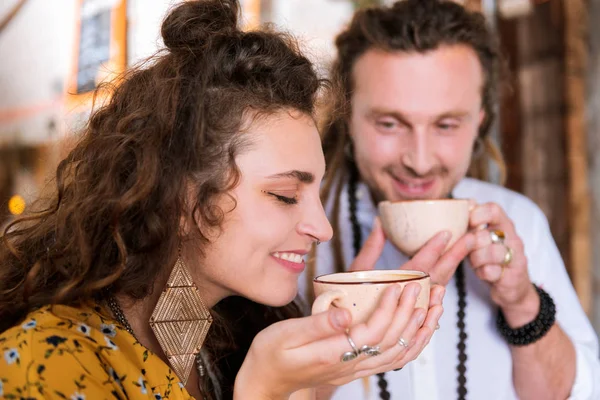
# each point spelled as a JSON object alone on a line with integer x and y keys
{"x": 180, "y": 321}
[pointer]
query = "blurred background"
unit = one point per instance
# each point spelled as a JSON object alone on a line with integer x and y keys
{"x": 54, "y": 53}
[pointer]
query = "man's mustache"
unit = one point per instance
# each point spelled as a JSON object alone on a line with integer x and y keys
{"x": 410, "y": 173}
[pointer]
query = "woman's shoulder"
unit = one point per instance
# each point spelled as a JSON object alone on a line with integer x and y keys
{"x": 79, "y": 353}
{"x": 56, "y": 327}
{"x": 53, "y": 352}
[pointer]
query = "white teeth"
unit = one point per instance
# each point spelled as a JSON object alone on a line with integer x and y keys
{"x": 293, "y": 257}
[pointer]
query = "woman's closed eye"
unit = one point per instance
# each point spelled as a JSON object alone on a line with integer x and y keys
{"x": 284, "y": 199}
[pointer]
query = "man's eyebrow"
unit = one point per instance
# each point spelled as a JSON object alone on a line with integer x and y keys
{"x": 377, "y": 111}
{"x": 454, "y": 114}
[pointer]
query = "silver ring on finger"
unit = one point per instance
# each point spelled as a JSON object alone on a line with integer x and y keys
{"x": 402, "y": 343}
{"x": 371, "y": 351}
{"x": 350, "y": 355}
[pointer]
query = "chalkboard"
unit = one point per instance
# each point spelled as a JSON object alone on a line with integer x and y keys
{"x": 94, "y": 47}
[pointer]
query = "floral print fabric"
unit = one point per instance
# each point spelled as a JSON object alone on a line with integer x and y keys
{"x": 61, "y": 352}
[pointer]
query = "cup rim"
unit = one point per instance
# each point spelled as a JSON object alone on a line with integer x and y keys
{"x": 425, "y": 275}
{"x": 425, "y": 201}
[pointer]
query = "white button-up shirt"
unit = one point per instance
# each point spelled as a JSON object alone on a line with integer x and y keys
{"x": 433, "y": 375}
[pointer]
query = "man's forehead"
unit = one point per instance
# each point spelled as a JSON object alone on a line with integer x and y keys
{"x": 446, "y": 64}
{"x": 414, "y": 82}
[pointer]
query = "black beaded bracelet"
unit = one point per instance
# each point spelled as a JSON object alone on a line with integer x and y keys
{"x": 533, "y": 331}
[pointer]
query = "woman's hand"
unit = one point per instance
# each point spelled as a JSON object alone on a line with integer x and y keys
{"x": 306, "y": 352}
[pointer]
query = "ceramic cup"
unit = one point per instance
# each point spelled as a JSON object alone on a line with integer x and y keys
{"x": 410, "y": 224}
{"x": 360, "y": 292}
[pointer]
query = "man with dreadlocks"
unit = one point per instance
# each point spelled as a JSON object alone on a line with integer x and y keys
{"x": 412, "y": 121}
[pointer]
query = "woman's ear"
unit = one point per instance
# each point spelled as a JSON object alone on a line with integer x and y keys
{"x": 185, "y": 224}
{"x": 187, "y": 220}
{"x": 482, "y": 115}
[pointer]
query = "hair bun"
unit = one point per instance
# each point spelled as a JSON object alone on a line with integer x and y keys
{"x": 192, "y": 22}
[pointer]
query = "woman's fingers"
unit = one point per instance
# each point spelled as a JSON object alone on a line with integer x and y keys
{"x": 396, "y": 327}
{"x": 414, "y": 340}
{"x": 373, "y": 331}
{"x": 405, "y": 315}
{"x": 399, "y": 346}
{"x": 304, "y": 331}
{"x": 327, "y": 350}
{"x": 424, "y": 334}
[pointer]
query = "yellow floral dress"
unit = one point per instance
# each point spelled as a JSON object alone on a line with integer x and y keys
{"x": 61, "y": 352}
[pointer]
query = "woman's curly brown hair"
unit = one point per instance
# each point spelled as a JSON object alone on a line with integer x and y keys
{"x": 114, "y": 222}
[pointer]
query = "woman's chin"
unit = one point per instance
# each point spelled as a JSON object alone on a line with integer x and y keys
{"x": 278, "y": 299}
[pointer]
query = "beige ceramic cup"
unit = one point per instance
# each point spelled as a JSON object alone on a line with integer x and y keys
{"x": 410, "y": 224}
{"x": 359, "y": 292}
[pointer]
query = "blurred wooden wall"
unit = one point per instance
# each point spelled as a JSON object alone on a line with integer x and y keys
{"x": 532, "y": 116}
{"x": 593, "y": 152}
{"x": 576, "y": 33}
{"x": 543, "y": 125}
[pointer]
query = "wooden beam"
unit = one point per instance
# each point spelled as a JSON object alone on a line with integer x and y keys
{"x": 576, "y": 60}
{"x": 510, "y": 115}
